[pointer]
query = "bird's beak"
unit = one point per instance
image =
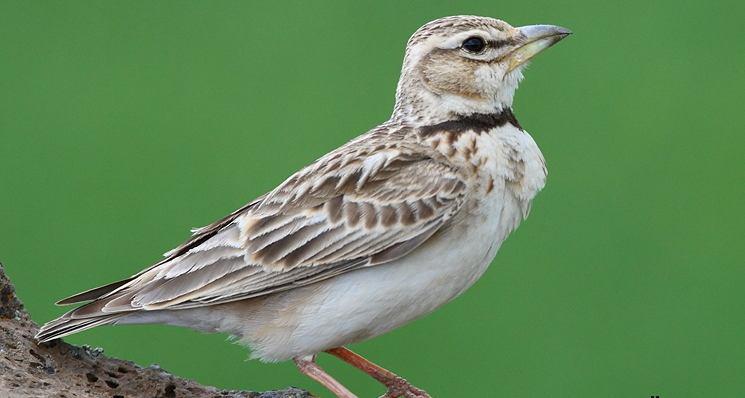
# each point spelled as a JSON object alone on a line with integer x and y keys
{"x": 534, "y": 39}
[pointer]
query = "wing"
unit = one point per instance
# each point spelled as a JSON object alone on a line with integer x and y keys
{"x": 356, "y": 207}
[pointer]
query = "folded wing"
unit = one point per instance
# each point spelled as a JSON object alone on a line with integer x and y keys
{"x": 352, "y": 208}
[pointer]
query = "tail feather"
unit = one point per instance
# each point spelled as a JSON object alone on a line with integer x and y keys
{"x": 94, "y": 293}
{"x": 63, "y": 326}
{"x": 84, "y": 317}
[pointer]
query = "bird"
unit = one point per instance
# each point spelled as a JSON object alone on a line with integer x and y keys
{"x": 369, "y": 237}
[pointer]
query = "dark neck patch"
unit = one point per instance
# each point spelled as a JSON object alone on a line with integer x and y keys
{"x": 477, "y": 122}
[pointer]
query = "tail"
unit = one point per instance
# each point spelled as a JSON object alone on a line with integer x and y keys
{"x": 86, "y": 316}
{"x": 64, "y": 326}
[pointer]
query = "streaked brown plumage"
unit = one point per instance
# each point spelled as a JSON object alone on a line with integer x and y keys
{"x": 451, "y": 164}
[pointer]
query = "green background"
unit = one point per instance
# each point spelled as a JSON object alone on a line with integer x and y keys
{"x": 122, "y": 124}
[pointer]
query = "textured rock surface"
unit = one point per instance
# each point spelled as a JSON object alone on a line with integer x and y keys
{"x": 58, "y": 369}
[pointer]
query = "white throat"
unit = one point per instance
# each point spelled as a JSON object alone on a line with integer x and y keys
{"x": 416, "y": 104}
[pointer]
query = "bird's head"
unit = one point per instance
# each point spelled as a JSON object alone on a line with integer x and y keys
{"x": 466, "y": 64}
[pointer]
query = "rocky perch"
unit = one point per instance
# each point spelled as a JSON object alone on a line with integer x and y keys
{"x": 61, "y": 370}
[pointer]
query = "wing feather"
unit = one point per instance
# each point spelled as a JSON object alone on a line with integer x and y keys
{"x": 355, "y": 207}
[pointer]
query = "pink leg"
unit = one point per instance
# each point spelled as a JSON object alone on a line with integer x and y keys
{"x": 310, "y": 368}
{"x": 397, "y": 386}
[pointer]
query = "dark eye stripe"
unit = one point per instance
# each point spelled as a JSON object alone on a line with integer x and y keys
{"x": 500, "y": 43}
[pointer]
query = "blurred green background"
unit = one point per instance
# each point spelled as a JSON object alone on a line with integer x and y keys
{"x": 122, "y": 124}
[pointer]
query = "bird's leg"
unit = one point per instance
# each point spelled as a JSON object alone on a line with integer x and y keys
{"x": 397, "y": 385}
{"x": 308, "y": 366}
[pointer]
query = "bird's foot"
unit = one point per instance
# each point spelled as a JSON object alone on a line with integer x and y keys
{"x": 400, "y": 388}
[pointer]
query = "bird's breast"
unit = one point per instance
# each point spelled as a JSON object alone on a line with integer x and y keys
{"x": 505, "y": 157}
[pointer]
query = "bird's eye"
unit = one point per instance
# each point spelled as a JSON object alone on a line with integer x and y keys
{"x": 473, "y": 45}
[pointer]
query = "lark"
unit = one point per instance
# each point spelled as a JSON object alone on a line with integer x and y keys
{"x": 379, "y": 232}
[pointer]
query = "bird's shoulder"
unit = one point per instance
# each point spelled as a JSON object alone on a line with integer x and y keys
{"x": 391, "y": 156}
{"x": 384, "y": 186}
